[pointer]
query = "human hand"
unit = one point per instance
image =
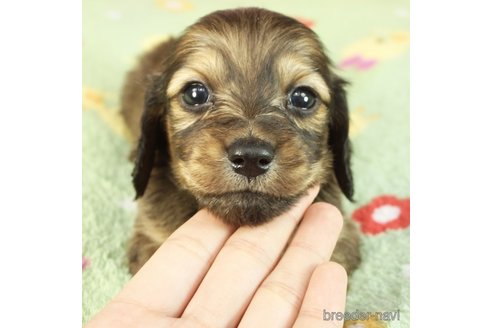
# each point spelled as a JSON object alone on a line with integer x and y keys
{"x": 209, "y": 275}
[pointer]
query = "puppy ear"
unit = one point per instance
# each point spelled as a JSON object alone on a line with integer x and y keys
{"x": 152, "y": 137}
{"x": 338, "y": 137}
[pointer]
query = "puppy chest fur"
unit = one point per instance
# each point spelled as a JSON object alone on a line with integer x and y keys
{"x": 241, "y": 115}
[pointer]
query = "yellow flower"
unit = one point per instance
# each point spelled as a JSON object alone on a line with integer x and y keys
{"x": 379, "y": 47}
{"x": 96, "y": 100}
{"x": 359, "y": 121}
{"x": 174, "y": 5}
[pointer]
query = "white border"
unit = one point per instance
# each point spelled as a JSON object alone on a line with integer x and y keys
{"x": 451, "y": 61}
{"x": 40, "y": 175}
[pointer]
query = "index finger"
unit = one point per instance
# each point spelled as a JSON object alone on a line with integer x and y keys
{"x": 168, "y": 280}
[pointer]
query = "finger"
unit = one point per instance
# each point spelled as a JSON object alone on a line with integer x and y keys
{"x": 276, "y": 303}
{"x": 326, "y": 293}
{"x": 129, "y": 315}
{"x": 246, "y": 258}
{"x": 169, "y": 279}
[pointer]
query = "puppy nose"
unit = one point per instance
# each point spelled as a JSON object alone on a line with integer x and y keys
{"x": 250, "y": 157}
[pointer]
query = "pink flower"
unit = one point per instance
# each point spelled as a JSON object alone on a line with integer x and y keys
{"x": 85, "y": 263}
{"x": 306, "y": 21}
{"x": 383, "y": 213}
{"x": 358, "y": 62}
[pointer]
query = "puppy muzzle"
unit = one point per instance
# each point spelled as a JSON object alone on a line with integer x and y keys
{"x": 251, "y": 157}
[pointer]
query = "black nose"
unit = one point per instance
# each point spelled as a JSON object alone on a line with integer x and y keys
{"x": 250, "y": 157}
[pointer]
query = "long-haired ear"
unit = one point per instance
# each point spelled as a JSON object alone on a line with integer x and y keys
{"x": 152, "y": 137}
{"x": 339, "y": 137}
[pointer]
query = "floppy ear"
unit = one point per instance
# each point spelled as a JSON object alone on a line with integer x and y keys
{"x": 152, "y": 137}
{"x": 338, "y": 137}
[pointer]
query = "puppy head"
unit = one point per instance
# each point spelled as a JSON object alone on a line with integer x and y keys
{"x": 248, "y": 116}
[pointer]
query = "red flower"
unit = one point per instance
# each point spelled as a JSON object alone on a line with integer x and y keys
{"x": 383, "y": 213}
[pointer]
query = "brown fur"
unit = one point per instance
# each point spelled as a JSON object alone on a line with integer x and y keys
{"x": 250, "y": 59}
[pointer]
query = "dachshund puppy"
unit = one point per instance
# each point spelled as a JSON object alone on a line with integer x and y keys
{"x": 240, "y": 115}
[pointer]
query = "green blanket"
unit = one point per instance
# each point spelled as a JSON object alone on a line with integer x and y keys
{"x": 369, "y": 40}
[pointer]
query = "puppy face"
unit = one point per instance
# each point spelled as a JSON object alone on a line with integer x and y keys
{"x": 248, "y": 115}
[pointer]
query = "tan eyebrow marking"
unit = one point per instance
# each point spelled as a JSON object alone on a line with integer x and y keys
{"x": 293, "y": 70}
{"x": 181, "y": 78}
{"x": 205, "y": 65}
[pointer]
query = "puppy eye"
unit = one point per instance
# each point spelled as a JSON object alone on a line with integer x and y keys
{"x": 195, "y": 94}
{"x": 303, "y": 98}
